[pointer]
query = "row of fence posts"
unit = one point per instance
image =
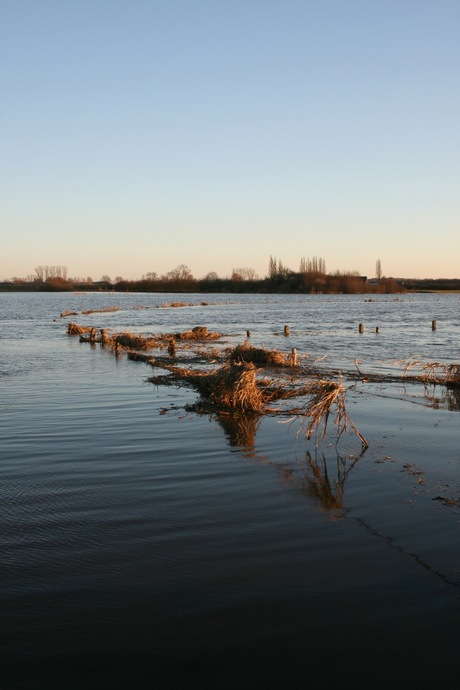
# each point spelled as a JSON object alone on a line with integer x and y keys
{"x": 360, "y": 328}
{"x": 434, "y": 325}
{"x": 287, "y": 331}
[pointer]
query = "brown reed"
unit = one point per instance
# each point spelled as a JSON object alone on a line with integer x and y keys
{"x": 259, "y": 356}
{"x": 133, "y": 341}
{"x": 75, "y": 329}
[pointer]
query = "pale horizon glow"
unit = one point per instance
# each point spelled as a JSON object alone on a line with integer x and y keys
{"x": 139, "y": 136}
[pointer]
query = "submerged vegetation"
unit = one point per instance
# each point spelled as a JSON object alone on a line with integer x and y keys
{"x": 243, "y": 379}
{"x": 259, "y": 356}
{"x": 241, "y": 383}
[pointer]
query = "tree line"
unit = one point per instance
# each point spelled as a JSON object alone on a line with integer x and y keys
{"x": 311, "y": 277}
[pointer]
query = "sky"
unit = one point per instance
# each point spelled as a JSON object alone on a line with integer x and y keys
{"x": 139, "y": 135}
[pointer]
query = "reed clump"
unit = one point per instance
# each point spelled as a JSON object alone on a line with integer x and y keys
{"x": 238, "y": 386}
{"x": 437, "y": 373}
{"x": 133, "y": 341}
{"x": 259, "y": 356}
{"x": 100, "y": 311}
{"x": 235, "y": 387}
{"x": 230, "y": 387}
{"x": 324, "y": 395}
{"x": 444, "y": 374}
{"x": 75, "y": 329}
{"x": 198, "y": 333}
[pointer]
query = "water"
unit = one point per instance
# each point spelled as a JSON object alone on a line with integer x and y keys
{"x": 146, "y": 546}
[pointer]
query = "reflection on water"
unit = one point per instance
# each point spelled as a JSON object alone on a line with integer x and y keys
{"x": 326, "y": 487}
{"x": 324, "y": 484}
{"x": 446, "y": 398}
{"x": 432, "y": 395}
{"x": 323, "y": 479}
{"x": 132, "y": 541}
{"x": 240, "y": 429}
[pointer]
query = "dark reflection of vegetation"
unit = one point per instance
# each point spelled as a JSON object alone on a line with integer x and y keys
{"x": 313, "y": 477}
{"x": 316, "y": 483}
{"x": 447, "y": 398}
{"x": 240, "y": 429}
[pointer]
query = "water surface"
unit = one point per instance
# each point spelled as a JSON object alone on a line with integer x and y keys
{"x": 146, "y": 546}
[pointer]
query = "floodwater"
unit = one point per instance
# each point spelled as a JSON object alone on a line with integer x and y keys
{"x": 146, "y": 546}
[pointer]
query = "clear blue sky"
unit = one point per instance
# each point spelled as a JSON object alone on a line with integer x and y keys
{"x": 138, "y": 135}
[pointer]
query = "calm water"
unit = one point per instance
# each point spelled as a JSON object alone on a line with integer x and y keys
{"x": 144, "y": 546}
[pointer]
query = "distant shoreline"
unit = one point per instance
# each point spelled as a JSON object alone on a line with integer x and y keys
{"x": 291, "y": 285}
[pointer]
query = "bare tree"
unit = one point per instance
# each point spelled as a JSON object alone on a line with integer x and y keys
{"x": 181, "y": 272}
{"x": 278, "y": 269}
{"x": 272, "y": 267}
{"x": 45, "y": 272}
{"x": 237, "y": 274}
{"x": 314, "y": 265}
{"x": 244, "y": 274}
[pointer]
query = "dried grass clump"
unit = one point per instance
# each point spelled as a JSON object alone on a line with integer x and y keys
{"x": 75, "y": 329}
{"x": 68, "y": 313}
{"x": 259, "y": 356}
{"x": 453, "y": 376}
{"x": 231, "y": 387}
{"x": 234, "y": 387}
{"x": 101, "y": 311}
{"x": 433, "y": 372}
{"x": 198, "y": 333}
{"x": 133, "y": 341}
{"x": 323, "y": 396}
{"x": 444, "y": 374}
{"x": 212, "y": 354}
